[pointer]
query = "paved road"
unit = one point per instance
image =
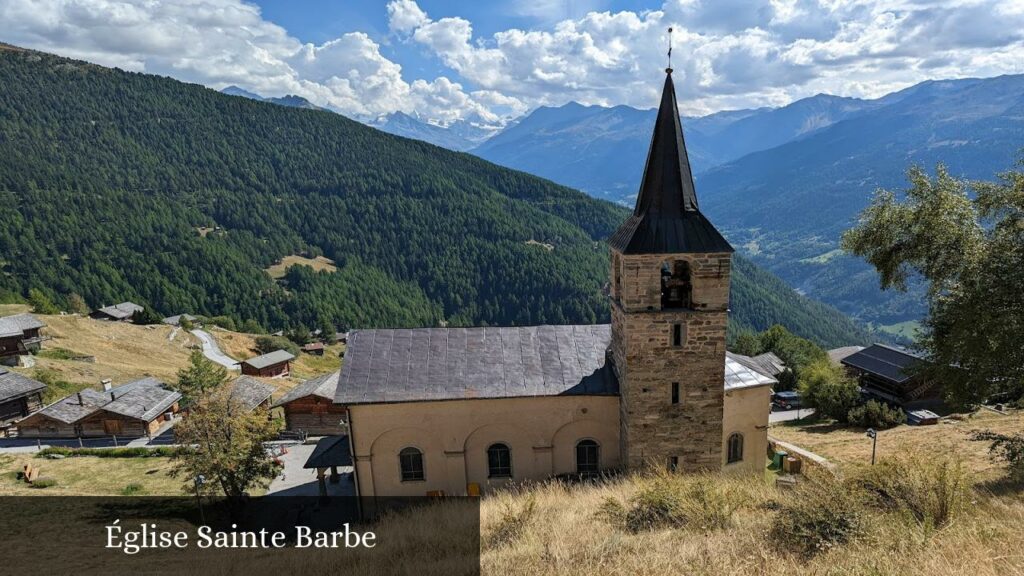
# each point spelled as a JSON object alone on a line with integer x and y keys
{"x": 787, "y": 415}
{"x": 212, "y": 351}
{"x": 294, "y": 480}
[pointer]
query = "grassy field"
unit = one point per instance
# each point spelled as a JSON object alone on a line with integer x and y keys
{"x": 906, "y": 329}
{"x": 90, "y": 476}
{"x": 9, "y": 309}
{"x": 240, "y": 346}
{"x": 319, "y": 263}
{"x": 122, "y": 351}
{"x": 950, "y": 437}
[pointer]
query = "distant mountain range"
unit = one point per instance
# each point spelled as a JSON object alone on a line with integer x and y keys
{"x": 291, "y": 100}
{"x": 784, "y": 183}
{"x": 459, "y": 136}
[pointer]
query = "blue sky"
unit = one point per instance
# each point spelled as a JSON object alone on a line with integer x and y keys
{"x": 487, "y": 62}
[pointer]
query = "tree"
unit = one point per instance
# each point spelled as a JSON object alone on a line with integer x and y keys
{"x": 266, "y": 344}
{"x": 76, "y": 304}
{"x": 225, "y": 443}
{"x": 201, "y": 378}
{"x": 971, "y": 252}
{"x": 747, "y": 343}
{"x": 41, "y": 303}
{"x": 145, "y": 317}
{"x": 827, "y": 389}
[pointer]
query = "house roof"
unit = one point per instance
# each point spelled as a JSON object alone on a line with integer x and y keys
{"x": 17, "y": 324}
{"x": 836, "y": 355}
{"x": 885, "y": 362}
{"x": 144, "y": 399}
{"x": 314, "y": 346}
{"x": 771, "y": 364}
{"x": 461, "y": 363}
{"x": 739, "y": 375}
{"x": 323, "y": 386}
{"x": 14, "y": 385}
{"x": 667, "y": 219}
{"x": 269, "y": 359}
{"x": 176, "y": 319}
{"x": 330, "y": 451}
{"x": 250, "y": 392}
{"x": 122, "y": 310}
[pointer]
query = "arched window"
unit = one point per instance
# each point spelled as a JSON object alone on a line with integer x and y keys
{"x": 499, "y": 461}
{"x": 735, "y": 448}
{"x": 676, "y": 285}
{"x": 411, "y": 461}
{"x": 588, "y": 457}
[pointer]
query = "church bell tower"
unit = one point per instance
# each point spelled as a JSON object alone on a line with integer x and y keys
{"x": 670, "y": 304}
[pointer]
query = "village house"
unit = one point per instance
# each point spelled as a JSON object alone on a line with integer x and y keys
{"x": 251, "y": 393}
{"x": 889, "y": 374}
{"x": 19, "y": 335}
{"x": 310, "y": 408}
{"x": 270, "y": 365}
{"x": 19, "y": 396}
{"x": 460, "y": 410}
{"x": 314, "y": 348}
{"x": 176, "y": 319}
{"x": 122, "y": 312}
{"x": 137, "y": 408}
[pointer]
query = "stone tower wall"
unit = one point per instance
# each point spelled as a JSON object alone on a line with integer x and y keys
{"x": 653, "y": 429}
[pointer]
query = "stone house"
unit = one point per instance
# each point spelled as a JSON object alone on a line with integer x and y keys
{"x": 462, "y": 410}
{"x": 122, "y": 312}
{"x": 19, "y": 396}
{"x": 19, "y": 335}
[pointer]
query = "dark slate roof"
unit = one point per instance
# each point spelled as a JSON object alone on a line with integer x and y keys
{"x": 176, "y": 319}
{"x": 143, "y": 399}
{"x": 883, "y": 361}
{"x": 330, "y": 451}
{"x": 269, "y": 359}
{"x": 122, "y": 310}
{"x": 667, "y": 219}
{"x": 17, "y": 324}
{"x": 769, "y": 363}
{"x": 836, "y": 355}
{"x": 250, "y": 392}
{"x": 14, "y": 385}
{"x": 323, "y": 386}
{"x": 73, "y": 408}
{"x": 461, "y": 363}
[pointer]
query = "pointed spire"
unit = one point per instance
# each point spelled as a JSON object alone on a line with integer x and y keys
{"x": 667, "y": 218}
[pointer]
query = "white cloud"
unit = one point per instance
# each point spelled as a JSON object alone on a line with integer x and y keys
{"x": 728, "y": 53}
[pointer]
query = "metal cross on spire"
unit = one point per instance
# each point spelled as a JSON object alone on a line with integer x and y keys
{"x": 669, "y": 69}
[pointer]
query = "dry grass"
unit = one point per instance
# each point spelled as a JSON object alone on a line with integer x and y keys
{"x": 122, "y": 351}
{"x": 89, "y": 476}
{"x": 319, "y": 263}
{"x": 10, "y": 309}
{"x": 240, "y": 345}
{"x": 849, "y": 446}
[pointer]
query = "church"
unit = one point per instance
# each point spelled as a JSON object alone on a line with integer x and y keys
{"x": 460, "y": 411}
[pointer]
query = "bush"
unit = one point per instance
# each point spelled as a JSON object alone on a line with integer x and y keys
{"x": 1006, "y": 447}
{"x": 58, "y": 354}
{"x": 932, "y": 492}
{"x": 133, "y": 489}
{"x": 817, "y": 515}
{"x": 265, "y": 344}
{"x": 136, "y": 452}
{"x": 513, "y": 523}
{"x": 827, "y": 389}
{"x": 878, "y": 415}
{"x": 44, "y": 482}
{"x": 670, "y": 501}
{"x": 146, "y": 317}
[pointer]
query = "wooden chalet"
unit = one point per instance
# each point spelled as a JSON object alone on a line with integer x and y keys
{"x": 138, "y": 408}
{"x": 310, "y": 408}
{"x": 314, "y": 348}
{"x": 889, "y": 374}
{"x": 19, "y": 396}
{"x": 270, "y": 365}
{"x": 19, "y": 335}
{"x": 122, "y": 312}
{"x": 251, "y": 393}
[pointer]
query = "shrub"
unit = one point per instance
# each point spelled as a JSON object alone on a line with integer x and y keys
{"x": 146, "y": 317}
{"x": 874, "y": 414}
{"x": 668, "y": 501}
{"x": 1006, "y": 447}
{"x": 513, "y": 523}
{"x": 136, "y": 452}
{"x": 58, "y": 354}
{"x": 828, "y": 390}
{"x": 818, "y": 514}
{"x": 133, "y": 489}
{"x": 931, "y": 492}
{"x": 44, "y": 482}
{"x": 265, "y": 344}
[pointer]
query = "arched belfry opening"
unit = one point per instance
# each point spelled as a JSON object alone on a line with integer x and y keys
{"x": 676, "y": 285}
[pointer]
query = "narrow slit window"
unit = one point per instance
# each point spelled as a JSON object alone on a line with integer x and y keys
{"x": 677, "y": 334}
{"x": 673, "y": 463}
{"x": 675, "y": 392}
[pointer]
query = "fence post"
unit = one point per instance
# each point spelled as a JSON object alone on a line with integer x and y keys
{"x": 39, "y": 444}
{"x": 80, "y": 445}
{"x": 114, "y": 436}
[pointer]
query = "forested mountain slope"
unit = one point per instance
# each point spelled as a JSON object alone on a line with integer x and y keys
{"x": 125, "y": 186}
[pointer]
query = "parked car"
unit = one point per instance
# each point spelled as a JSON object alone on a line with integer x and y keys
{"x": 789, "y": 400}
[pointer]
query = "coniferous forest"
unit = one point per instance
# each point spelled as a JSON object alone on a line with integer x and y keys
{"x": 124, "y": 186}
